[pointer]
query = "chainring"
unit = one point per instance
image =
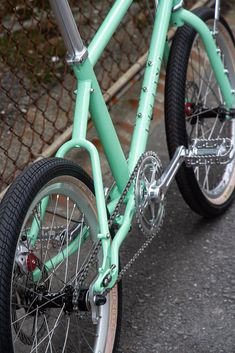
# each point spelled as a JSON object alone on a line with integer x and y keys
{"x": 149, "y": 212}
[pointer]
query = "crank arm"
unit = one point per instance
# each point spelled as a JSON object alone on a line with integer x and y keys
{"x": 159, "y": 188}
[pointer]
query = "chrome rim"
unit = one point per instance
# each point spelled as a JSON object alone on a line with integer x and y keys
{"x": 70, "y": 217}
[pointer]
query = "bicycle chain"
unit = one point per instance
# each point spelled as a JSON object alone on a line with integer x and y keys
{"x": 93, "y": 257}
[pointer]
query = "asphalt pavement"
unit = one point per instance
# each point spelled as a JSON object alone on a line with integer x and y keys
{"x": 180, "y": 295}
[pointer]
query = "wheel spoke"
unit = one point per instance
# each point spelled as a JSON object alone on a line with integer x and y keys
{"x": 66, "y": 335}
{"x": 49, "y": 333}
{"x": 49, "y": 345}
{"x": 36, "y": 332}
{"x": 206, "y": 178}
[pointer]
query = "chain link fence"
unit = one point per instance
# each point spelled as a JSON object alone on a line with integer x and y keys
{"x": 36, "y": 86}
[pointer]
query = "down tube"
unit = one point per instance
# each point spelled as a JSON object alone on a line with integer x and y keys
{"x": 150, "y": 82}
{"x": 147, "y": 98}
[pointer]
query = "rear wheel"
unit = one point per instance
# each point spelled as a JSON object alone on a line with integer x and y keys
{"x": 192, "y": 106}
{"x": 48, "y": 232}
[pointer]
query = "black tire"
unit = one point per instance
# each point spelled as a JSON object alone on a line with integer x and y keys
{"x": 186, "y": 82}
{"x": 69, "y": 194}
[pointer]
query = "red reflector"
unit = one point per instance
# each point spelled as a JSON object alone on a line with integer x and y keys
{"x": 31, "y": 262}
{"x": 188, "y": 109}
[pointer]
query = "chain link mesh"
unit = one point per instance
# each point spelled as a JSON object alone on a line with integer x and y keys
{"x": 36, "y": 86}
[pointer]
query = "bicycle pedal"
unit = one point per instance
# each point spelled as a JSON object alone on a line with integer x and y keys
{"x": 209, "y": 152}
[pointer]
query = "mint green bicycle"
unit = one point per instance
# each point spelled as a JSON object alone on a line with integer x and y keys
{"x": 60, "y": 232}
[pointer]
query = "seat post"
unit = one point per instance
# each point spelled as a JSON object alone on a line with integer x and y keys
{"x": 77, "y": 52}
{"x": 217, "y": 15}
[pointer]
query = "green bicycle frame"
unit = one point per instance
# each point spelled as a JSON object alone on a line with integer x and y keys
{"x": 90, "y": 99}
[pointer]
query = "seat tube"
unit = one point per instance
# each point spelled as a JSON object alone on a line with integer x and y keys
{"x": 77, "y": 52}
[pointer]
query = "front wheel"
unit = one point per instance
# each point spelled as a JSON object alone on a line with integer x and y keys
{"x": 192, "y": 108}
{"x": 48, "y": 232}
